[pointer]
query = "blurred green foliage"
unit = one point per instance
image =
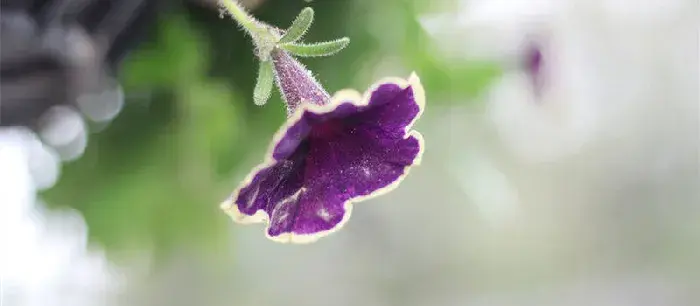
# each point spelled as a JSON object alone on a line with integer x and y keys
{"x": 189, "y": 130}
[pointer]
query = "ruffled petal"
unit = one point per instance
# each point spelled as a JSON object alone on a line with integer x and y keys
{"x": 328, "y": 157}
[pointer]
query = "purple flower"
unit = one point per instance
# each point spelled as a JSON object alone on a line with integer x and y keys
{"x": 534, "y": 63}
{"x": 331, "y": 153}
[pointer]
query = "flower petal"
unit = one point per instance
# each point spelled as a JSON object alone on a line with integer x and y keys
{"x": 358, "y": 164}
{"x": 392, "y": 105}
{"x": 335, "y": 174}
{"x": 392, "y": 108}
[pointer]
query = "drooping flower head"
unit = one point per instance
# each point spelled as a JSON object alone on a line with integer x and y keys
{"x": 333, "y": 151}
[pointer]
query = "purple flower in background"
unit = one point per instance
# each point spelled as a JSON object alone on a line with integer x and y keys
{"x": 533, "y": 63}
{"x": 332, "y": 152}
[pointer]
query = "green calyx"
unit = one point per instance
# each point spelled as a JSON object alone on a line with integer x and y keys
{"x": 268, "y": 38}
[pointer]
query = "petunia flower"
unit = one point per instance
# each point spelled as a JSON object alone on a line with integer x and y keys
{"x": 332, "y": 151}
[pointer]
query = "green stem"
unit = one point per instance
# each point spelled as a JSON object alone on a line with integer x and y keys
{"x": 242, "y": 17}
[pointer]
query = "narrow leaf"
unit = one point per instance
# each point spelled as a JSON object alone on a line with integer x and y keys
{"x": 317, "y": 49}
{"x": 263, "y": 87}
{"x": 299, "y": 27}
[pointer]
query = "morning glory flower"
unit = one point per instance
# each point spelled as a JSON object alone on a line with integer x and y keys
{"x": 331, "y": 152}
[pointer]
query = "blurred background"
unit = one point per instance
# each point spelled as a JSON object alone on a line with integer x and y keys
{"x": 562, "y": 164}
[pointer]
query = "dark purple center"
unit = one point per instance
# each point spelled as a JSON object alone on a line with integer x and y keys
{"x": 327, "y": 130}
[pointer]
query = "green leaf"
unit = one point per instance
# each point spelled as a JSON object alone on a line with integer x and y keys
{"x": 299, "y": 27}
{"x": 263, "y": 87}
{"x": 318, "y": 49}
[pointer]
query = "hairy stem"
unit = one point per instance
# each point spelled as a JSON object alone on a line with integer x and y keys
{"x": 248, "y": 22}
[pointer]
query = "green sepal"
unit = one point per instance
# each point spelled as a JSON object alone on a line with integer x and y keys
{"x": 316, "y": 49}
{"x": 263, "y": 86}
{"x": 299, "y": 27}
